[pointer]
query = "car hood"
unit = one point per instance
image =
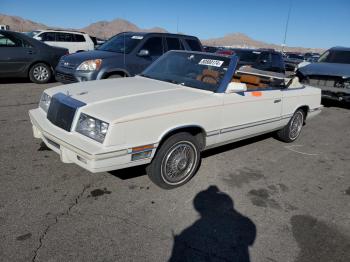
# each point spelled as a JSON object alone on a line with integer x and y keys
{"x": 89, "y": 55}
{"x": 125, "y": 99}
{"x": 326, "y": 69}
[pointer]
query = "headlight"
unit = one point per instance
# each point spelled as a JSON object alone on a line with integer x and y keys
{"x": 90, "y": 65}
{"x": 92, "y": 127}
{"x": 45, "y": 101}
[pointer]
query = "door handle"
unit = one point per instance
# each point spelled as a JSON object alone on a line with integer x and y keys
{"x": 30, "y": 52}
{"x": 277, "y": 100}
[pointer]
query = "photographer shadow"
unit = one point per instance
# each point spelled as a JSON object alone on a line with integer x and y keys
{"x": 220, "y": 234}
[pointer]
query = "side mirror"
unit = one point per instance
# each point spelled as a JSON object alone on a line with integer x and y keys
{"x": 143, "y": 52}
{"x": 39, "y": 38}
{"x": 234, "y": 87}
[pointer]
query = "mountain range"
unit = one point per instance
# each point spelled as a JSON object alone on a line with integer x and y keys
{"x": 106, "y": 29}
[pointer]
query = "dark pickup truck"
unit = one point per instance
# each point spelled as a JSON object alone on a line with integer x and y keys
{"x": 262, "y": 59}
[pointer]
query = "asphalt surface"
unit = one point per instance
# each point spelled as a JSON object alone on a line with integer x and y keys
{"x": 278, "y": 202}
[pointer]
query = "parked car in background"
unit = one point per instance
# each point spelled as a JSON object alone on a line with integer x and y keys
{"x": 224, "y": 51}
{"x": 4, "y": 27}
{"x": 263, "y": 59}
{"x": 23, "y": 56}
{"x": 74, "y": 41}
{"x": 182, "y": 104}
{"x": 210, "y": 49}
{"x": 307, "y": 56}
{"x": 123, "y": 55}
{"x": 97, "y": 41}
{"x": 331, "y": 73}
{"x": 291, "y": 61}
{"x": 313, "y": 59}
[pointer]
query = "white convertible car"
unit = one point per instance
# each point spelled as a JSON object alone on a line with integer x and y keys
{"x": 184, "y": 103}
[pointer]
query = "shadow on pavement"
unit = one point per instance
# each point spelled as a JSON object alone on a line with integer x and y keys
{"x": 14, "y": 80}
{"x": 333, "y": 103}
{"x": 129, "y": 173}
{"x": 235, "y": 145}
{"x": 220, "y": 234}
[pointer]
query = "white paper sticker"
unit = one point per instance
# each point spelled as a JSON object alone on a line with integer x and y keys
{"x": 138, "y": 37}
{"x": 211, "y": 62}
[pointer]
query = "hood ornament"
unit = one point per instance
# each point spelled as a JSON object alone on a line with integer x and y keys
{"x": 68, "y": 94}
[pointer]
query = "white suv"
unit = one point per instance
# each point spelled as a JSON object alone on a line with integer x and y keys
{"x": 72, "y": 40}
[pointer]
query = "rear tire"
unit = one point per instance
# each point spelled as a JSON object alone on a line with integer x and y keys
{"x": 176, "y": 161}
{"x": 292, "y": 130}
{"x": 40, "y": 73}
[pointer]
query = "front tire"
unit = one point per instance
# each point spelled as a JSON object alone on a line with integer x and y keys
{"x": 175, "y": 162}
{"x": 40, "y": 73}
{"x": 114, "y": 76}
{"x": 292, "y": 130}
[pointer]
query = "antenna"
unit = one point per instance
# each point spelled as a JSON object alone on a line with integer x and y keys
{"x": 124, "y": 57}
{"x": 177, "y": 24}
{"x": 287, "y": 23}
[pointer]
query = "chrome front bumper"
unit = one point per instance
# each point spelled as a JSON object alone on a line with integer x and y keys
{"x": 75, "y": 148}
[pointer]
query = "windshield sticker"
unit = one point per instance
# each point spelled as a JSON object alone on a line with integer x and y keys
{"x": 211, "y": 62}
{"x": 138, "y": 37}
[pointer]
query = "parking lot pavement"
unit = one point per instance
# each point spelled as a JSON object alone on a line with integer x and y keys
{"x": 278, "y": 202}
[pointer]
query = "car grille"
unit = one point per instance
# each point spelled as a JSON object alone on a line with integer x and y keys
{"x": 68, "y": 64}
{"x": 65, "y": 78}
{"x": 62, "y": 110}
{"x": 327, "y": 81}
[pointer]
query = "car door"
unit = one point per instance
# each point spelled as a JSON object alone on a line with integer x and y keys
{"x": 66, "y": 40}
{"x": 250, "y": 113}
{"x": 81, "y": 43}
{"x": 15, "y": 55}
{"x": 173, "y": 43}
{"x": 155, "y": 47}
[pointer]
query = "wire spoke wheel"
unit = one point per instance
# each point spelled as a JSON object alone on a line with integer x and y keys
{"x": 296, "y": 125}
{"x": 179, "y": 162}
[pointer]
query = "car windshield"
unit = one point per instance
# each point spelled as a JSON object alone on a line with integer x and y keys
{"x": 335, "y": 56}
{"x": 121, "y": 43}
{"x": 196, "y": 70}
{"x": 32, "y": 33}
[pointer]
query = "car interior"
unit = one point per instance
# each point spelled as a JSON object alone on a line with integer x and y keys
{"x": 253, "y": 82}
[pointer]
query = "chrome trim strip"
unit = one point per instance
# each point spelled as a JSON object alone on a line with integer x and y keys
{"x": 253, "y": 124}
{"x": 213, "y": 133}
{"x": 230, "y": 129}
{"x": 238, "y": 139}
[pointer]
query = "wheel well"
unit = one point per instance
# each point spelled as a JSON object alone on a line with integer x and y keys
{"x": 121, "y": 73}
{"x": 305, "y": 110}
{"x": 195, "y": 131}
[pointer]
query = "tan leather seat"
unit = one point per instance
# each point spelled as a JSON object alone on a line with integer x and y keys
{"x": 209, "y": 76}
{"x": 251, "y": 81}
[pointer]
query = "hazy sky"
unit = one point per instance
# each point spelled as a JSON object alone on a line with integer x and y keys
{"x": 313, "y": 23}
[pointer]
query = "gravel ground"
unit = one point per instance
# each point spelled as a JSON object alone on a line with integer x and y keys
{"x": 256, "y": 200}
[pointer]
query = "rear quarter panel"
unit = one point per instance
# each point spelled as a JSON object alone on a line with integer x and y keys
{"x": 298, "y": 97}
